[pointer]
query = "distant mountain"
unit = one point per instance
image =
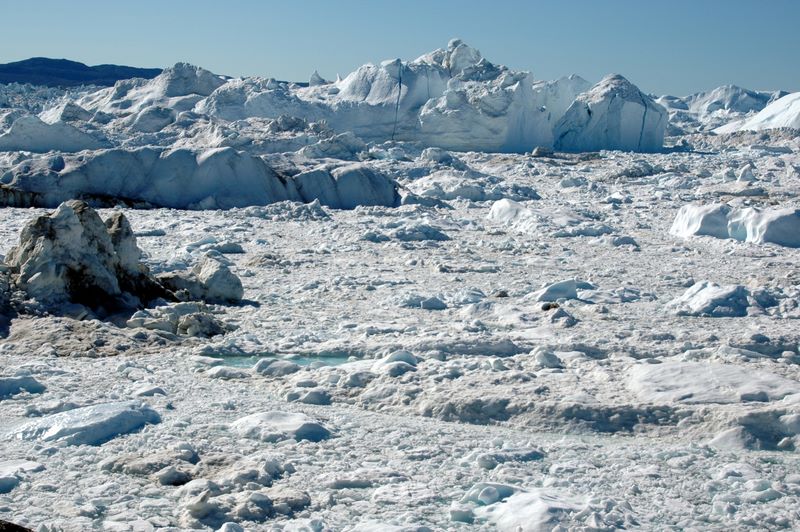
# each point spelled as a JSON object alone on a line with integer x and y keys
{"x": 65, "y": 73}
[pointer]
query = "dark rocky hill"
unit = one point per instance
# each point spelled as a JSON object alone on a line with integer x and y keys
{"x": 65, "y": 73}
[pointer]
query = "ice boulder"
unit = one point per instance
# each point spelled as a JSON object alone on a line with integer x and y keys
{"x": 12, "y": 471}
{"x": 151, "y": 119}
{"x": 316, "y": 79}
{"x": 347, "y": 187}
{"x": 183, "y": 79}
{"x": 89, "y": 425}
{"x": 30, "y": 133}
{"x": 776, "y": 226}
{"x": 72, "y": 256}
{"x": 345, "y": 146}
{"x": 14, "y": 385}
{"x": 709, "y": 299}
{"x": 697, "y": 220}
{"x": 219, "y": 178}
{"x": 220, "y": 283}
{"x": 67, "y": 111}
{"x": 513, "y": 214}
{"x": 612, "y": 115}
{"x": 209, "y": 280}
{"x": 488, "y": 114}
{"x": 276, "y": 426}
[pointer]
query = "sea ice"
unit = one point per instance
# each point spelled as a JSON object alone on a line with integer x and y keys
{"x": 276, "y": 426}
{"x": 89, "y": 425}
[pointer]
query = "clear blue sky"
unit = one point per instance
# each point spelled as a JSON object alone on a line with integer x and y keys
{"x": 674, "y": 46}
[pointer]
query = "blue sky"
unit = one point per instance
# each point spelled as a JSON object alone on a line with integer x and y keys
{"x": 674, "y": 46}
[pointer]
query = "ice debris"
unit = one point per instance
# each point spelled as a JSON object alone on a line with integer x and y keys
{"x": 89, "y": 425}
{"x": 276, "y": 426}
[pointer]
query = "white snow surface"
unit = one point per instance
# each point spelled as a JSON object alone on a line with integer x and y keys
{"x": 704, "y": 382}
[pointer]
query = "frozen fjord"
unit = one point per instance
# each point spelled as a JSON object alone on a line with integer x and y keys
{"x": 532, "y": 341}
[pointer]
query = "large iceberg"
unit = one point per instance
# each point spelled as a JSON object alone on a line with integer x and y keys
{"x": 220, "y": 178}
{"x": 612, "y": 115}
{"x": 451, "y": 98}
{"x": 784, "y": 112}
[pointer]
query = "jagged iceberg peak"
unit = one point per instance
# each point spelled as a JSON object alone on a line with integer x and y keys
{"x": 460, "y": 60}
{"x": 783, "y": 112}
{"x": 316, "y": 80}
{"x": 614, "y": 114}
{"x": 184, "y": 79}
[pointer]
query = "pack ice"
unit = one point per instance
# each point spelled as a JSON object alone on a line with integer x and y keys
{"x": 436, "y": 294}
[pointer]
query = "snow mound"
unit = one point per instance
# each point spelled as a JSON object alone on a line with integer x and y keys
{"x": 65, "y": 112}
{"x": 701, "y": 382}
{"x": 346, "y": 187}
{"x": 530, "y": 511}
{"x": 777, "y": 226}
{"x": 564, "y": 223}
{"x": 72, "y": 255}
{"x": 90, "y": 425}
{"x": 614, "y": 114}
{"x": 566, "y": 289}
{"x": 783, "y": 112}
{"x": 217, "y": 178}
{"x": 709, "y": 299}
{"x": 276, "y": 426}
{"x": 14, "y": 385}
{"x": 13, "y": 471}
{"x": 30, "y": 133}
{"x": 702, "y": 220}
